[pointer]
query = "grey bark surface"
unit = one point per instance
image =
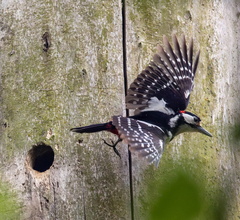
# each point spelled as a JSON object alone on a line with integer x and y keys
{"x": 61, "y": 66}
{"x": 214, "y": 26}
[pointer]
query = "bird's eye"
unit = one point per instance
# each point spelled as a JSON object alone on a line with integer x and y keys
{"x": 196, "y": 120}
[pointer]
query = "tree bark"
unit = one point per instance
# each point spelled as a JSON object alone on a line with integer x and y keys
{"x": 62, "y": 66}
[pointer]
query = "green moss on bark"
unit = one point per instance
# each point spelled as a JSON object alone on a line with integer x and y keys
{"x": 10, "y": 207}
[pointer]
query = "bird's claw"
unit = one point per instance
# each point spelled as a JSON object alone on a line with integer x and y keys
{"x": 113, "y": 145}
{"x": 110, "y": 145}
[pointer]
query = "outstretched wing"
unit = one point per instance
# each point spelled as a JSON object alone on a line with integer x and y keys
{"x": 146, "y": 139}
{"x": 165, "y": 85}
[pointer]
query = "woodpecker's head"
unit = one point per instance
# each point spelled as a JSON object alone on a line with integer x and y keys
{"x": 188, "y": 122}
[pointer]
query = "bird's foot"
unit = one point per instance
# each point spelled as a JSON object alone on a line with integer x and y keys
{"x": 113, "y": 145}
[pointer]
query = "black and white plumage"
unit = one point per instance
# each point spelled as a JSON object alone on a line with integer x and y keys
{"x": 159, "y": 96}
{"x": 167, "y": 82}
{"x": 144, "y": 138}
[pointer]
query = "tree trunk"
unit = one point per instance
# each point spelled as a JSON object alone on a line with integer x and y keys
{"x": 65, "y": 64}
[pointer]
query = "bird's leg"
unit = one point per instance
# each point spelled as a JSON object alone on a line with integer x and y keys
{"x": 113, "y": 145}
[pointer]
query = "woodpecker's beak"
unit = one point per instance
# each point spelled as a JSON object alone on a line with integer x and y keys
{"x": 203, "y": 131}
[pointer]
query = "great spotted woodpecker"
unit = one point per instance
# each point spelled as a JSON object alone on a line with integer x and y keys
{"x": 159, "y": 95}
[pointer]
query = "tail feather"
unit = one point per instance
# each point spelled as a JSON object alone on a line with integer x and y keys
{"x": 91, "y": 128}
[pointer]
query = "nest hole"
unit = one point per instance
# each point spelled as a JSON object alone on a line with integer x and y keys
{"x": 41, "y": 157}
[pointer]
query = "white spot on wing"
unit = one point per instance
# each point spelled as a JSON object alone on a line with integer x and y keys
{"x": 150, "y": 125}
{"x": 147, "y": 143}
{"x": 187, "y": 93}
{"x": 154, "y": 104}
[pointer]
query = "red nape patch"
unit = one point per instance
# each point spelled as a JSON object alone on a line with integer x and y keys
{"x": 182, "y": 111}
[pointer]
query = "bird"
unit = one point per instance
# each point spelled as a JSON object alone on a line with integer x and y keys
{"x": 159, "y": 97}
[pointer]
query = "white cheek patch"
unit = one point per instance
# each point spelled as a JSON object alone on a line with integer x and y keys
{"x": 188, "y": 118}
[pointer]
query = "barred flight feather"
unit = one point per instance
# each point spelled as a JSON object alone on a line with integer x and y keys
{"x": 168, "y": 77}
{"x": 144, "y": 138}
